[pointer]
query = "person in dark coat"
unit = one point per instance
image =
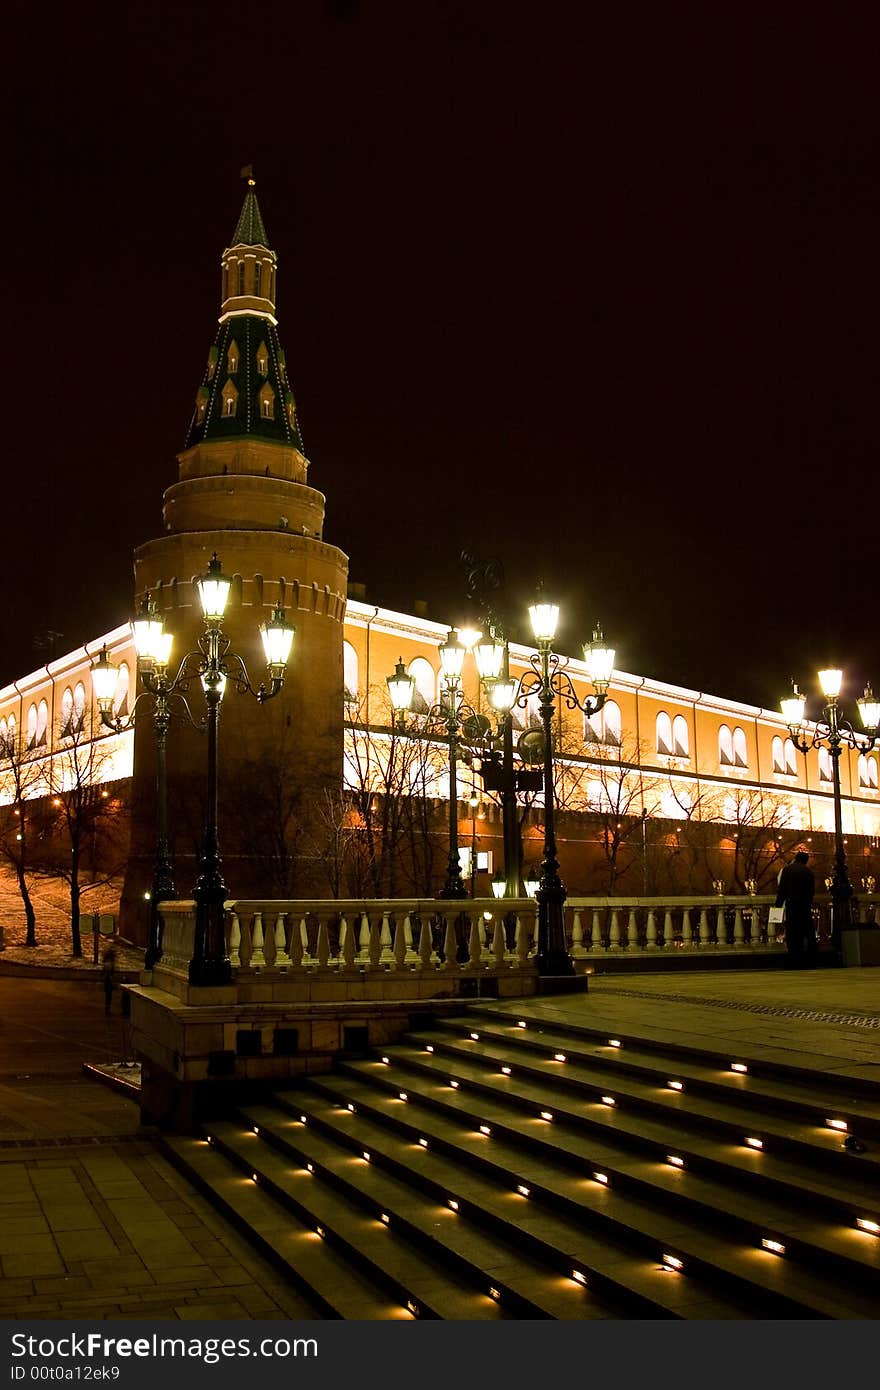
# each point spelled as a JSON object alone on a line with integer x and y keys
{"x": 107, "y": 980}
{"x": 797, "y": 886}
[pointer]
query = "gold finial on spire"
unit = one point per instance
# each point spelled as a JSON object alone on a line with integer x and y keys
{"x": 248, "y": 173}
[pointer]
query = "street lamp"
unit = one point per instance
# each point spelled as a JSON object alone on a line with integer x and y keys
{"x": 212, "y": 664}
{"x": 450, "y": 713}
{"x": 834, "y": 734}
{"x": 549, "y": 680}
{"x": 153, "y": 646}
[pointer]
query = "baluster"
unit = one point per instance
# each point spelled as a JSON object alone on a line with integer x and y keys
{"x": 523, "y": 940}
{"x": 296, "y": 946}
{"x": 375, "y": 947}
{"x": 427, "y": 957}
{"x": 234, "y": 939}
{"x": 687, "y": 931}
{"x": 282, "y": 959}
{"x": 269, "y": 947}
{"x": 614, "y": 930}
{"x": 720, "y": 928}
{"x": 304, "y": 934}
{"x": 596, "y": 942}
{"x": 651, "y": 931}
{"x": 364, "y": 939}
{"x": 668, "y": 931}
{"x": 245, "y": 944}
{"x": 386, "y": 955}
{"x": 411, "y": 956}
{"x": 498, "y": 943}
{"x": 258, "y": 957}
{"x": 347, "y": 944}
{"x": 705, "y": 934}
{"x": 450, "y": 942}
{"x": 578, "y": 949}
{"x": 739, "y": 931}
{"x": 322, "y": 946}
{"x": 400, "y": 942}
{"x": 475, "y": 942}
{"x": 632, "y": 931}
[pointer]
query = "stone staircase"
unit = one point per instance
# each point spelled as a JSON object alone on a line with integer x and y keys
{"x": 492, "y": 1166}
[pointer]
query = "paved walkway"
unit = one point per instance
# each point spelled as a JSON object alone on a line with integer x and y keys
{"x": 827, "y": 1020}
{"x": 94, "y": 1223}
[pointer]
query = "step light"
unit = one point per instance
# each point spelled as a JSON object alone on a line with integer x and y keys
{"x": 255, "y": 1177}
{"x": 547, "y": 1115}
{"x": 579, "y": 1277}
{"x": 775, "y": 1246}
{"x": 210, "y": 1139}
{"x": 523, "y": 1190}
{"x": 475, "y": 1037}
{"x": 739, "y": 1066}
{"x": 615, "y": 1042}
{"x": 424, "y": 1143}
{"x": 676, "y": 1160}
{"x": 452, "y": 1202}
{"x": 672, "y": 1262}
{"x": 350, "y": 1107}
{"x": 836, "y": 1124}
{"x": 602, "y": 1178}
{"x": 453, "y": 1084}
{"x": 319, "y": 1230}
{"x": 505, "y": 1071}
{"x": 429, "y": 1048}
{"x": 522, "y": 1023}
{"x": 401, "y": 1095}
{"x": 366, "y": 1155}
{"x": 675, "y": 1085}
{"x": 385, "y": 1219}
{"x": 494, "y": 1293}
{"x": 484, "y": 1129}
{"x": 753, "y": 1142}
{"x": 256, "y": 1129}
{"x": 310, "y": 1168}
{"x": 387, "y": 1061}
{"x": 413, "y": 1307}
{"x": 559, "y": 1056}
{"x": 608, "y": 1100}
{"x": 303, "y": 1119}
{"x": 865, "y": 1223}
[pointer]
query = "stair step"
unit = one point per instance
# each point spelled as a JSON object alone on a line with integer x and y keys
{"x": 530, "y": 1077}
{"x": 327, "y": 1280}
{"x": 810, "y": 1101}
{"x": 616, "y": 1135}
{"x": 415, "y": 1184}
{"x": 634, "y": 1222}
{"x": 346, "y": 1199}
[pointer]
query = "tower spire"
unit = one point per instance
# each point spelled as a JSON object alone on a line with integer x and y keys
{"x": 245, "y": 390}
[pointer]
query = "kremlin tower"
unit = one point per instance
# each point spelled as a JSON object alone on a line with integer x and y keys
{"x": 243, "y": 493}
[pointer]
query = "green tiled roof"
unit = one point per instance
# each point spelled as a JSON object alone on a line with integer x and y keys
{"x": 250, "y": 230}
{"x": 247, "y": 332}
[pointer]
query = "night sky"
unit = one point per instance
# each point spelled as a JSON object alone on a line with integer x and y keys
{"x": 592, "y": 289}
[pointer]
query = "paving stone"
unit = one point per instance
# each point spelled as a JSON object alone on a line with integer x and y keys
{"x": 85, "y": 1245}
{"x": 194, "y": 1311}
{"x": 32, "y": 1265}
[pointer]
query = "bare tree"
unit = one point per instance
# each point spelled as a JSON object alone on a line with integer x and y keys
{"x": 85, "y": 845}
{"x": 23, "y": 818}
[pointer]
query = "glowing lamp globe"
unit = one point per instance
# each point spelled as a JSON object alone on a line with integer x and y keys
{"x": 531, "y": 886}
{"x": 401, "y": 688}
{"x": 544, "y": 618}
{"x": 214, "y": 589}
{"x": 147, "y": 628}
{"x": 869, "y": 709}
{"x": 793, "y": 708}
{"x": 499, "y": 885}
{"x": 468, "y": 637}
{"x": 830, "y": 682}
{"x": 219, "y": 685}
{"x": 277, "y": 635}
{"x": 452, "y": 655}
{"x": 502, "y": 694}
{"x": 104, "y": 676}
{"x": 599, "y": 658}
{"x": 162, "y": 653}
{"x": 489, "y": 657}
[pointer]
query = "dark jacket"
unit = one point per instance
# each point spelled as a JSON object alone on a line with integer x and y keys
{"x": 797, "y": 885}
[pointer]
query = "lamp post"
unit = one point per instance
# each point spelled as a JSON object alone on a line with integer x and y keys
{"x": 212, "y": 663}
{"x": 836, "y": 733}
{"x": 153, "y": 646}
{"x": 450, "y": 712}
{"x": 549, "y": 680}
